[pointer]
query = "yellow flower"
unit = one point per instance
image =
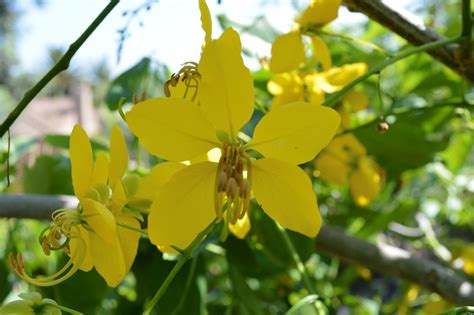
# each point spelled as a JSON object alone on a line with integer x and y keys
{"x": 293, "y": 86}
{"x": 177, "y": 130}
{"x": 345, "y": 162}
{"x": 320, "y": 12}
{"x": 288, "y": 51}
{"x": 94, "y": 231}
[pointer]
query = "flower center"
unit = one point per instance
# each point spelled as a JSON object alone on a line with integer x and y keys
{"x": 190, "y": 76}
{"x": 65, "y": 227}
{"x": 233, "y": 183}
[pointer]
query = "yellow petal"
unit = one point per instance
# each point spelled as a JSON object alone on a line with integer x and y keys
{"x": 226, "y": 91}
{"x": 119, "y": 198}
{"x": 332, "y": 169}
{"x": 184, "y": 207}
{"x": 118, "y": 156}
{"x": 101, "y": 170}
{"x": 320, "y": 12}
{"x": 128, "y": 239}
{"x": 296, "y": 132}
{"x": 150, "y": 185}
{"x": 241, "y": 228}
{"x": 287, "y": 88}
{"x": 365, "y": 182}
{"x": 103, "y": 242}
{"x": 286, "y": 195}
{"x": 99, "y": 219}
{"x": 82, "y": 162}
{"x": 86, "y": 264}
{"x": 171, "y": 128}
{"x": 336, "y": 78}
{"x": 346, "y": 119}
{"x": 321, "y": 52}
{"x": 161, "y": 174}
{"x": 356, "y": 100}
{"x": 287, "y": 52}
{"x": 206, "y": 21}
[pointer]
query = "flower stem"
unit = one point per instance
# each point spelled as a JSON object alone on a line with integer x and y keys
{"x": 332, "y": 99}
{"x": 60, "y": 66}
{"x": 187, "y": 254}
{"x": 129, "y": 227}
{"x": 63, "y": 308}
{"x": 296, "y": 259}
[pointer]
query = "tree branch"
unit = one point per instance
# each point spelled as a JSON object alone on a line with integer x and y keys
{"x": 415, "y": 32}
{"x": 383, "y": 258}
{"x": 60, "y": 66}
{"x": 394, "y": 261}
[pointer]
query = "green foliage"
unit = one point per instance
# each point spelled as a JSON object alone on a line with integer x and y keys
{"x": 395, "y": 152}
{"x": 144, "y": 77}
{"x": 51, "y": 174}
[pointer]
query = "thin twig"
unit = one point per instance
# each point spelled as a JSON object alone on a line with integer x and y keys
{"x": 60, "y": 66}
{"x": 332, "y": 99}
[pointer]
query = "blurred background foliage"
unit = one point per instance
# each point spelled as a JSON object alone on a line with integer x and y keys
{"x": 426, "y": 156}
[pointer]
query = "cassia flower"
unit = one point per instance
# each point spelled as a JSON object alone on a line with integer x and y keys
{"x": 177, "y": 130}
{"x": 94, "y": 232}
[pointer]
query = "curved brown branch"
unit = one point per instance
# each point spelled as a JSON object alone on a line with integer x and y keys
{"x": 383, "y": 258}
{"x": 391, "y": 260}
{"x": 415, "y": 32}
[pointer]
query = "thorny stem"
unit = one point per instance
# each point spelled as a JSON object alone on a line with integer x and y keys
{"x": 60, "y": 66}
{"x": 332, "y": 99}
{"x": 185, "y": 256}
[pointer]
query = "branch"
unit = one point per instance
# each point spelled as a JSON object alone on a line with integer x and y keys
{"x": 333, "y": 98}
{"x": 331, "y": 241}
{"x": 414, "y": 31}
{"x": 60, "y": 66}
{"x": 394, "y": 261}
{"x": 33, "y": 206}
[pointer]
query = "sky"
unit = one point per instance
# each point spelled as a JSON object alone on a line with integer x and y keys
{"x": 170, "y": 32}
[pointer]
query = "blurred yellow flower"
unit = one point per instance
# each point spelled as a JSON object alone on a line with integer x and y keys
{"x": 177, "y": 130}
{"x": 345, "y": 162}
{"x": 312, "y": 87}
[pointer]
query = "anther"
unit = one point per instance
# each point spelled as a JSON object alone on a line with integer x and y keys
{"x": 222, "y": 181}
{"x": 231, "y": 188}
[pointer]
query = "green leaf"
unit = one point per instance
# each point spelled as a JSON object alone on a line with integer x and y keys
{"x": 271, "y": 240}
{"x": 141, "y": 78}
{"x": 260, "y": 27}
{"x": 244, "y": 298}
{"x": 49, "y": 175}
{"x": 410, "y": 142}
{"x": 62, "y": 142}
{"x": 458, "y": 150}
{"x": 5, "y": 285}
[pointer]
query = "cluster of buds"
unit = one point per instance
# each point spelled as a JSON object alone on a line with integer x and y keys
{"x": 233, "y": 182}
{"x": 189, "y": 75}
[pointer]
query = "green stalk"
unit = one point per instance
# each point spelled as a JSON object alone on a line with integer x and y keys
{"x": 60, "y": 66}
{"x": 63, "y": 308}
{"x": 466, "y": 31}
{"x": 296, "y": 259}
{"x": 332, "y": 99}
{"x": 186, "y": 255}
